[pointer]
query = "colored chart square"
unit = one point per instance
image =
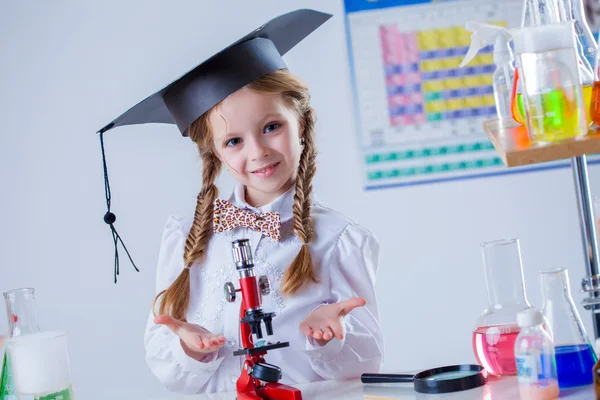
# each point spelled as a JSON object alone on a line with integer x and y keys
{"x": 447, "y": 37}
{"x": 372, "y": 158}
{"x": 437, "y": 168}
{"x": 453, "y": 83}
{"x": 455, "y": 104}
{"x": 488, "y": 100}
{"x": 486, "y": 90}
{"x": 399, "y": 110}
{"x": 411, "y": 41}
{"x": 452, "y": 73}
{"x": 419, "y": 118}
{"x": 412, "y": 57}
{"x": 394, "y": 173}
{"x": 488, "y": 69}
{"x": 374, "y": 175}
{"x": 430, "y": 76}
{"x": 432, "y": 96}
{"x": 444, "y": 74}
{"x": 416, "y": 97}
{"x": 473, "y": 101}
{"x": 451, "y": 62}
{"x": 396, "y": 79}
{"x": 471, "y": 81}
{"x": 427, "y": 55}
{"x": 415, "y": 109}
{"x": 485, "y": 59}
{"x": 435, "y": 106}
{"x": 412, "y": 78}
{"x": 392, "y": 69}
{"x": 398, "y": 100}
{"x": 432, "y": 117}
{"x": 401, "y": 120}
{"x": 486, "y": 80}
{"x": 463, "y": 37}
{"x": 427, "y": 40}
{"x": 393, "y": 90}
{"x": 469, "y": 71}
{"x": 436, "y": 65}
{"x": 473, "y": 147}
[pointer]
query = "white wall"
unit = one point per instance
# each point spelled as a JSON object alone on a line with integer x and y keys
{"x": 69, "y": 67}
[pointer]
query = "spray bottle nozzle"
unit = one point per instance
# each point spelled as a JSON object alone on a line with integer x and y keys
{"x": 484, "y": 35}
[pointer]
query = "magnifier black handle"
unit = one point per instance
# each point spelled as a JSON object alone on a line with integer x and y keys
{"x": 386, "y": 378}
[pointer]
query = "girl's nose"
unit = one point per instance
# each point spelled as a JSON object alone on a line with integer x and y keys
{"x": 259, "y": 150}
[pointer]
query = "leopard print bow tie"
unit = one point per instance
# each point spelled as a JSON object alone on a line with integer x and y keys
{"x": 228, "y": 217}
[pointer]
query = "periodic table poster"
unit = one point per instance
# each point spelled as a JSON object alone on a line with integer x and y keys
{"x": 419, "y": 116}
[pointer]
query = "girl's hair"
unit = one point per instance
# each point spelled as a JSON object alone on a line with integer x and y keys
{"x": 175, "y": 299}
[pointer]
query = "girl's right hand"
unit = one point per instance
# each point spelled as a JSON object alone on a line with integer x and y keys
{"x": 196, "y": 341}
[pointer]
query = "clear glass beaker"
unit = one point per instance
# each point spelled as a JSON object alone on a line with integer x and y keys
{"x": 40, "y": 364}
{"x": 550, "y": 83}
{"x": 496, "y": 328}
{"x": 575, "y": 356}
{"x": 22, "y": 319}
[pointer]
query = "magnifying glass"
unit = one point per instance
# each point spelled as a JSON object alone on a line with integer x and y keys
{"x": 452, "y": 378}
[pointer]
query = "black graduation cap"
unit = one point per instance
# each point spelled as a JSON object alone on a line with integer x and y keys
{"x": 191, "y": 95}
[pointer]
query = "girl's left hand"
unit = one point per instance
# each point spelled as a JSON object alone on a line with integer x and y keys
{"x": 325, "y": 323}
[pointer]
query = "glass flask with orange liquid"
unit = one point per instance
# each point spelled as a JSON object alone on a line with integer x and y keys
{"x": 595, "y": 95}
{"x": 496, "y": 328}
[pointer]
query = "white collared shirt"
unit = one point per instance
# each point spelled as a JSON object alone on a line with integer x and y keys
{"x": 345, "y": 256}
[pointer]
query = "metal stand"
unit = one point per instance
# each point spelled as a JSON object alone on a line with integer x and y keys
{"x": 591, "y": 284}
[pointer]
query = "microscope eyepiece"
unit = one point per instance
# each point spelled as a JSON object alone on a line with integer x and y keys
{"x": 242, "y": 253}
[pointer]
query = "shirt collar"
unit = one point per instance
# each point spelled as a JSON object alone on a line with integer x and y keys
{"x": 282, "y": 204}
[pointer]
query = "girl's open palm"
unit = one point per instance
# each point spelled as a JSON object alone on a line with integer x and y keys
{"x": 325, "y": 323}
{"x": 197, "y": 339}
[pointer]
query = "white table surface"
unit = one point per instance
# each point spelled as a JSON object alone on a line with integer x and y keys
{"x": 495, "y": 389}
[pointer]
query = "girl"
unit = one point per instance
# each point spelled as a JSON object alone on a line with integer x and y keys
{"x": 321, "y": 265}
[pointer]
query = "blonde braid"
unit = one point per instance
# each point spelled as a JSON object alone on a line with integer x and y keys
{"x": 201, "y": 230}
{"x": 174, "y": 301}
{"x": 302, "y": 270}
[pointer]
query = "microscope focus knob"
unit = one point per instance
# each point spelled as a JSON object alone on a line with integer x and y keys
{"x": 229, "y": 290}
{"x": 264, "y": 285}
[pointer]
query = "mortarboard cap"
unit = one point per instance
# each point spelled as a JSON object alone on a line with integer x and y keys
{"x": 197, "y": 91}
{"x": 256, "y": 54}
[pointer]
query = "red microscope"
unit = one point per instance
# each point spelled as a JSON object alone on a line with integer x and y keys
{"x": 258, "y": 380}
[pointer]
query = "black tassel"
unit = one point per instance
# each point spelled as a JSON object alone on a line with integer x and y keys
{"x": 109, "y": 217}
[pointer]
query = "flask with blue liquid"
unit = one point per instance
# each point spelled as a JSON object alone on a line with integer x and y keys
{"x": 575, "y": 355}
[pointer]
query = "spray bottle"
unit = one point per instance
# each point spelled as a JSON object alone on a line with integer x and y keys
{"x": 502, "y": 79}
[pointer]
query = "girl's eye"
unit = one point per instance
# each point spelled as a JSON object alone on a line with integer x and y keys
{"x": 272, "y": 127}
{"x": 233, "y": 142}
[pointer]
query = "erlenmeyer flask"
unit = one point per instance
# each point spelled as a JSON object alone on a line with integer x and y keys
{"x": 539, "y": 12}
{"x": 496, "y": 329}
{"x": 573, "y": 10}
{"x": 22, "y": 319}
{"x": 575, "y": 356}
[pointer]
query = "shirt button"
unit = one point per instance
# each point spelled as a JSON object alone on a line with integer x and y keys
{"x": 317, "y": 355}
{"x": 234, "y": 379}
{"x": 230, "y": 342}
